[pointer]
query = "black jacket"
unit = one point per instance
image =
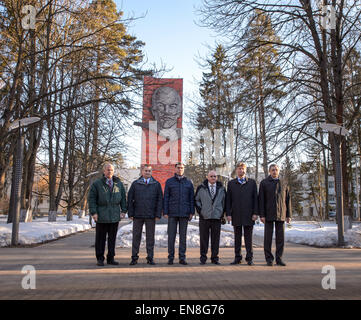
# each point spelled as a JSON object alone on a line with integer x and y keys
{"x": 145, "y": 200}
{"x": 242, "y": 202}
{"x": 178, "y": 197}
{"x": 274, "y": 200}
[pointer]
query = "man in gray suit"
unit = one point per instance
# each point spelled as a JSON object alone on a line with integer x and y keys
{"x": 210, "y": 204}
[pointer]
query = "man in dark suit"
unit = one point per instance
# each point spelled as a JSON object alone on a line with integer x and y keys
{"x": 178, "y": 208}
{"x": 145, "y": 201}
{"x": 242, "y": 210}
{"x": 274, "y": 209}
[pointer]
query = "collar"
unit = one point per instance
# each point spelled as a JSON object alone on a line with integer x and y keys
{"x": 242, "y": 180}
{"x": 273, "y": 179}
{"x": 210, "y": 185}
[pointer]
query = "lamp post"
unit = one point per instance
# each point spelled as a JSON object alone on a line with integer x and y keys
{"x": 338, "y": 131}
{"x": 19, "y": 125}
{"x": 91, "y": 176}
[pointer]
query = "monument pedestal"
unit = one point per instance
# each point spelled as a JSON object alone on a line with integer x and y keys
{"x": 162, "y": 126}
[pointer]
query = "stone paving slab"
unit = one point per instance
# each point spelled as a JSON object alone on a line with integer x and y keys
{"x": 65, "y": 269}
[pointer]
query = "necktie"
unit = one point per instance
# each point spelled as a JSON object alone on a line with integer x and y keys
{"x": 110, "y": 184}
{"x": 212, "y": 191}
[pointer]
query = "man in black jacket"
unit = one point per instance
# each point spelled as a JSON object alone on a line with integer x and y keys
{"x": 145, "y": 201}
{"x": 242, "y": 210}
{"x": 178, "y": 208}
{"x": 274, "y": 209}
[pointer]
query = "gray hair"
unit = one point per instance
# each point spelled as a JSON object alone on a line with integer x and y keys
{"x": 106, "y": 165}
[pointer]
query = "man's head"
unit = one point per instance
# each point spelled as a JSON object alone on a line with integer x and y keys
{"x": 108, "y": 170}
{"x": 179, "y": 168}
{"x": 241, "y": 169}
{"x": 212, "y": 177}
{"x": 147, "y": 171}
{"x": 166, "y": 107}
{"x": 274, "y": 171}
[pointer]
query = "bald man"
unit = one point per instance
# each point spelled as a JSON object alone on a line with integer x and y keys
{"x": 210, "y": 204}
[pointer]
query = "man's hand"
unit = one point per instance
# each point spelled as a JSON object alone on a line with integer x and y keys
{"x": 131, "y": 218}
{"x": 122, "y": 215}
{"x": 288, "y": 220}
{"x": 190, "y": 217}
{"x": 95, "y": 217}
{"x": 263, "y": 220}
{"x": 156, "y": 219}
{"x": 166, "y": 216}
{"x": 254, "y": 217}
{"x": 229, "y": 218}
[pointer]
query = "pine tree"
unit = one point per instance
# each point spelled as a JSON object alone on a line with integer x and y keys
{"x": 260, "y": 76}
{"x": 216, "y": 111}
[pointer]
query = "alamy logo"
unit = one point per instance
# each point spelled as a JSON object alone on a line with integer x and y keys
{"x": 328, "y": 17}
{"x": 212, "y": 146}
{"x": 28, "y": 21}
{"x": 29, "y": 280}
{"x": 329, "y": 280}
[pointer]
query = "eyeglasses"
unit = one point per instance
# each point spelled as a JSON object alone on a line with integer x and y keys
{"x": 213, "y": 176}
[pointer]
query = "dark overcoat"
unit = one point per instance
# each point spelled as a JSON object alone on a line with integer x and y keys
{"x": 242, "y": 202}
{"x": 274, "y": 200}
{"x": 145, "y": 200}
{"x": 178, "y": 197}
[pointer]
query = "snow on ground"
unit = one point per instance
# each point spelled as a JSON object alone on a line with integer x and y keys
{"x": 40, "y": 230}
{"x": 322, "y": 234}
{"x": 124, "y": 237}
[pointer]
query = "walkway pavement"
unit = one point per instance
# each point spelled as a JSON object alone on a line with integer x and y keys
{"x": 65, "y": 269}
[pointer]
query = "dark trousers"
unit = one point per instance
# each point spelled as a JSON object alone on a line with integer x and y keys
{"x": 173, "y": 222}
{"x": 101, "y": 232}
{"x": 280, "y": 239}
{"x": 137, "y": 236}
{"x": 207, "y": 226}
{"x": 248, "y": 231}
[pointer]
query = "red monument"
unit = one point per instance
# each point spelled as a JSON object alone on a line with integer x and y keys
{"x": 162, "y": 126}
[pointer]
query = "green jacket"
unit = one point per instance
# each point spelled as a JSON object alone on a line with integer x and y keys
{"x": 105, "y": 203}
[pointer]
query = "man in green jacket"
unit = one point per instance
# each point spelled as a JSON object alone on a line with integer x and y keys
{"x": 107, "y": 205}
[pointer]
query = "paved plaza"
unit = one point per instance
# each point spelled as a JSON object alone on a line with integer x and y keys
{"x": 66, "y": 269}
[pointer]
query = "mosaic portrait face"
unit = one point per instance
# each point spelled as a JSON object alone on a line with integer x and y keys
{"x": 166, "y": 107}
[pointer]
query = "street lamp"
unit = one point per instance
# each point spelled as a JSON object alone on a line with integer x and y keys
{"x": 338, "y": 131}
{"x": 91, "y": 176}
{"x": 18, "y": 124}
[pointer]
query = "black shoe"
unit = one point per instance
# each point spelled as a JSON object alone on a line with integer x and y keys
{"x": 100, "y": 263}
{"x": 270, "y": 263}
{"x": 250, "y": 263}
{"x": 133, "y": 262}
{"x": 202, "y": 262}
{"x": 280, "y": 263}
{"x": 183, "y": 262}
{"x": 113, "y": 262}
{"x": 216, "y": 262}
{"x": 151, "y": 262}
{"x": 170, "y": 261}
{"x": 236, "y": 261}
